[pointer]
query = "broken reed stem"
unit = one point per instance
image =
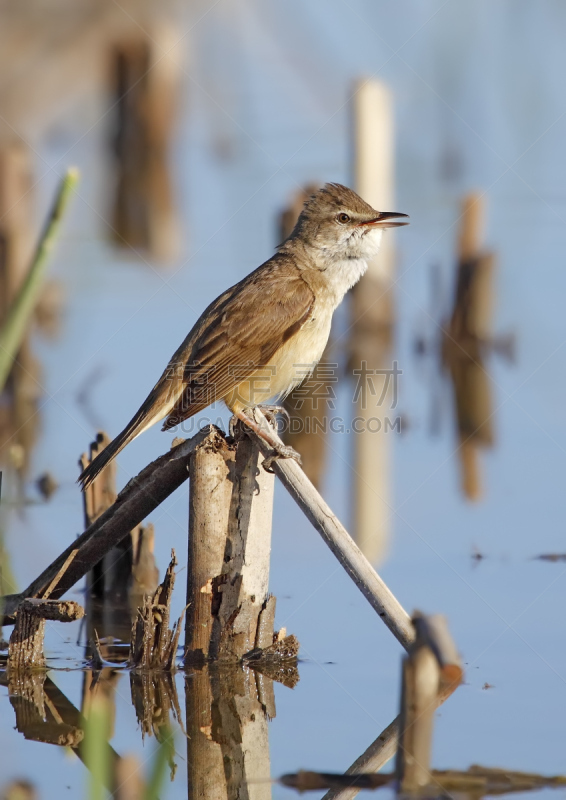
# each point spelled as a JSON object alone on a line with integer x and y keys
{"x": 58, "y": 576}
{"x": 153, "y": 645}
{"x": 140, "y": 497}
{"x": 340, "y": 542}
{"x": 14, "y": 328}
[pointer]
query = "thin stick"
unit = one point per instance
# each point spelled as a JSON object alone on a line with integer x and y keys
{"x": 61, "y": 572}
{"x": 14, "y": 329}
{"x": 341, "y": 543}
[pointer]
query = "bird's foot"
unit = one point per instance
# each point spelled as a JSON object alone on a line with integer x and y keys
{"x": 271, "y": 411}
{"x": 281, "y": 451}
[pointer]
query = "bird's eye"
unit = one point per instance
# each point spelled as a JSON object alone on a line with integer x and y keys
{"x": 343, "y": 218}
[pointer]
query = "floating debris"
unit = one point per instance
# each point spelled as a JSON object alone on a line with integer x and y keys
{"x": 552, "y": 557}
{"x": 46, "y": 485}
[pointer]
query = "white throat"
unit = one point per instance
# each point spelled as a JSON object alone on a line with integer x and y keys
{"x": 345, "y": 269}
{"x": 342, "y": 274}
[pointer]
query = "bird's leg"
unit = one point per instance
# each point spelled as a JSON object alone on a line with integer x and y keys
{"x": 279, "y": 450}
{"x": 232, "y": 426}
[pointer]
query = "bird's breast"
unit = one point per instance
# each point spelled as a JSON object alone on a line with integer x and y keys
{"x": 292, "y": 363}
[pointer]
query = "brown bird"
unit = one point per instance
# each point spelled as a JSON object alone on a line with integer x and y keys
{"x": 262, "y": 337}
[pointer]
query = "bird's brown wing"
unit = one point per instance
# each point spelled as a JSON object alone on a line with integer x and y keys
{"x": 238, "y": 333}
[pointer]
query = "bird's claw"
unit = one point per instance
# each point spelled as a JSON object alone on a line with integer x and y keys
{"x": 271, "y": 412}
{"x": 282, "y": 451}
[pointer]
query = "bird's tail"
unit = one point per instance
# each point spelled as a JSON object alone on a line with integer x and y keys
{"x": 151, "y": 411}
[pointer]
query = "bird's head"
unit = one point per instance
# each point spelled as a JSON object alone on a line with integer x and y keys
{"x": 336, "y": 221}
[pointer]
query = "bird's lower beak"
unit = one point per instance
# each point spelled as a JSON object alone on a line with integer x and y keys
{"x": 384, "y": 220}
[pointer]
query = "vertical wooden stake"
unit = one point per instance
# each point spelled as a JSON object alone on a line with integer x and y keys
{"x": 230, "y": 511}
{"x": 372, "y": 321}
{"x": 245, "y": 581}
{"x": 210, "y": 490}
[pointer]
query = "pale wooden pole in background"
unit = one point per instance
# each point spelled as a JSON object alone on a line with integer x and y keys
{"x": 372, "y": 320}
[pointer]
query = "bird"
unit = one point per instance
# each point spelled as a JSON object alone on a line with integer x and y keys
{"x": 263, "y": 336}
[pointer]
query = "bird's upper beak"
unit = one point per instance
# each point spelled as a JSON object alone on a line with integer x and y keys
{"x": 383, "y": 220}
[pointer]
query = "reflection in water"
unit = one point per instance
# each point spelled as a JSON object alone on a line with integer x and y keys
{"x": 44, "y": 714}
{"x": 154, "y": 697}
{"x": 145, "y": 97}
{"x": 227, "y": 713}
{"x": 227, "y": 732}
{"x": 466, "y": 340}
{"x": 467, "y": 335}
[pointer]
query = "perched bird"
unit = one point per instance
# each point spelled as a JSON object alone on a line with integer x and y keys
{"x": 263, "y": 336}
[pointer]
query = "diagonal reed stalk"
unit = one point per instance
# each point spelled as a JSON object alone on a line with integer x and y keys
{"x": 17, "y": 320}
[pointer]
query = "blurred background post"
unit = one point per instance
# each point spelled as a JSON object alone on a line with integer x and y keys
{"x": 372, "y": 322}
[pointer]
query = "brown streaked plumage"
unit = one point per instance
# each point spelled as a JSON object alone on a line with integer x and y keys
{"x": 264, "y": 335}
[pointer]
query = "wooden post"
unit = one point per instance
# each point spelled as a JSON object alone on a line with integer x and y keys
{"x": 229, "y": 548}
{"x": 372, "y": 322}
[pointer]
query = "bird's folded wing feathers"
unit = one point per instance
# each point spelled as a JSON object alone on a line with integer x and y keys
{"x": 243, "y": 331}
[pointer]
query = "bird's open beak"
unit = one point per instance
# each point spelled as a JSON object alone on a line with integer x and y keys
{"x": 383, "y": 220}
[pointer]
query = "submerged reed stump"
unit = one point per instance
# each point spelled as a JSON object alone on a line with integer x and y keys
{"x": 153, "y": 645}
{"x": 25, "y": 649}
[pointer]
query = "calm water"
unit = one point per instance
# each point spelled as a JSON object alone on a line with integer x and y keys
{"x": 263, "y": 110}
